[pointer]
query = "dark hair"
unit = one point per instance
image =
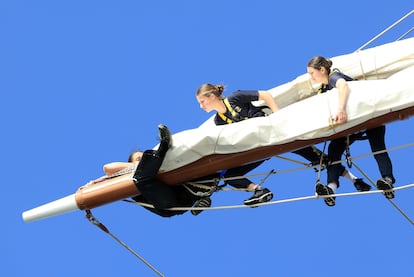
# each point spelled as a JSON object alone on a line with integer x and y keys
{"x": 208, "y": 89}
{"x": 131, "y": 155}
{"x": 318, "y": 62}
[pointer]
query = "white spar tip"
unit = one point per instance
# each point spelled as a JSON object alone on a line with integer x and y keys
{"x": 57, "y": 207}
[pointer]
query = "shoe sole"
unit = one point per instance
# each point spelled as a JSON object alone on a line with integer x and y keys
{"x": 262, "y": 199}
{"x": 321, "y": 190}
{"x": 165, "y": 134}
{"x": 387, "y": 189}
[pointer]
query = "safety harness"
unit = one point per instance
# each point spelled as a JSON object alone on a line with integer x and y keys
{"x": 233, "y": 113}
{"x": 324, "y": 87}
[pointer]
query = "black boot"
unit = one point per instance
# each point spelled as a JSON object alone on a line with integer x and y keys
{"x": 165, "y": 139}
{"x": 151, "y": 160}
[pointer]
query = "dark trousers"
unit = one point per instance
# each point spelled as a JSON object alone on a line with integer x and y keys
{"x": 313, "y": 154}
{"x": 310, "y": 153}
{"x": 240, "y": 171}
{"x": 376, "y": 138}
{"x": 152, "y": 189}
{"x": 155, "y": 192}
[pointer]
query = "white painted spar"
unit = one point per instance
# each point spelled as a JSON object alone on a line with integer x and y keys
{"x": 57, "y": 207}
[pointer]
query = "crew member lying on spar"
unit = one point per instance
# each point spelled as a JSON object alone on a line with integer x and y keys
{"x": 161, "y": 196}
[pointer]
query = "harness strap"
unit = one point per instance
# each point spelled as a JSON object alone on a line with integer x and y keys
{"x": 233, "y": 113}
{"x": 209, "y": 189}
{"x": 324, "y": 87}
{"x": 225, "y": 118}
{"x": 267, "y": 176}
{"x": 321, "y": 162}
{"x": 348, "y": 153}
{"x": 357, "y": 136}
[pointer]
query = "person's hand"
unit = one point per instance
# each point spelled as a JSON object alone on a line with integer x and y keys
{"x": 341, "y": 117}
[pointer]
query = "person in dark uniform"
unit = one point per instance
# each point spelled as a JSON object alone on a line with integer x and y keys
{"x": 237, "y": 107}
{"x": 319, "y": 69}
{"x": 152, "y": 190}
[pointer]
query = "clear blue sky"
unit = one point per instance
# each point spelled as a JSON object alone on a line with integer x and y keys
{"x": 85, "y": 82}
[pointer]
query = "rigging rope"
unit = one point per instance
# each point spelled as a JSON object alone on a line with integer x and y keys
{"x": 405, "y": 34}
{"x": 274, "y": 202}
{"x": 98, "y": 224}
{"x": 390, "y": 200}
{"x": 386, "y": 30}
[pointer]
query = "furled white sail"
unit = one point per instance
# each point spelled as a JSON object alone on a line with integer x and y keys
{"x": 386, "y": 84}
